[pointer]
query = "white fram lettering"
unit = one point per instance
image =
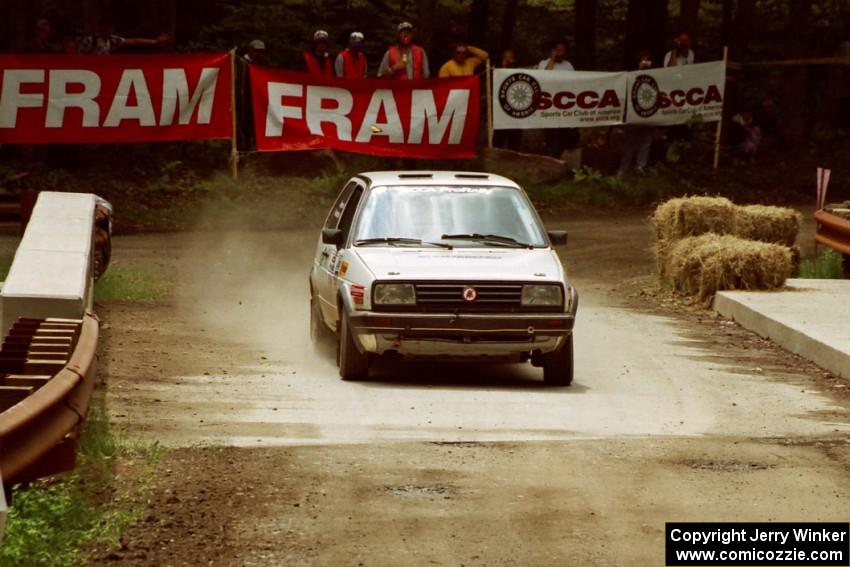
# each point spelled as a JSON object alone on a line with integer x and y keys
{"x": 11, "y": 97}
{"x": 132, "y": 80}
{"x": 381, "y": 99}
{"x": 58, "y": 97}
{"x": 338, "y": 116}
{"x": 277, "y": 112}
{"x": 175, "y": 94}
{"x": 424, "y": 108}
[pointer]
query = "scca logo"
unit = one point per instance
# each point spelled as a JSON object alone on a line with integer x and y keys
{"x": 520, "y": 96}
{"x": 517, "y": 94}
{"x": 647, "y": 98}
{"x": 585, "y": 100}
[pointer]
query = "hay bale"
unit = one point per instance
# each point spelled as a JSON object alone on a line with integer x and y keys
{"x": 778, "y": 225}
{"x": 692, "y": 216}
{"x": 702, "y": 265}
{"x": 661, "y": 250}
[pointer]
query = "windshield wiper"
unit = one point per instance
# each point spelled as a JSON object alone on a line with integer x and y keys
{"x": 506, "y": 240}
{"x": 394, "y": 240}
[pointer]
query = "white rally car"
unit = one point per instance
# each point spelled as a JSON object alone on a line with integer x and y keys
{"x": 441, "y": 264}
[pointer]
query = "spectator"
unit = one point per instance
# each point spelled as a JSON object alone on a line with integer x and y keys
{"x": 69, "y": 45}
{"x": 681, "y": 54}
{"x": 351, "y": 63}
{"x": 745, "y": 134}
{"x": 256, "y": 52}
{"x": 404, "y": 60}
{"x": 637, "y": 140}
{"x": 466, "y": 59}
{"x": 508, "y": 139}
{"x": 105, "y": 42}
{"x": 557, "y": 60}
{"x": 558, "y": 140}
{"x": 766, "y": 116}
{"x": 254, "y": 55}
{"x": 318, "y": 60}
{"x": 43, "y": 40}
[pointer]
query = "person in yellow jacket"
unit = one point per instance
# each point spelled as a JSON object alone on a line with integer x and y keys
{"x": 464, "y": 62}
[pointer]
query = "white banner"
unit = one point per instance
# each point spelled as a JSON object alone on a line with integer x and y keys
{"x": 524, "y": 99}
{"x": 674, "y": 95}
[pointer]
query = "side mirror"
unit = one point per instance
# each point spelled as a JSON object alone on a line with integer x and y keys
{"x": 332, "y": 236}
{"x": 557, "y": 237}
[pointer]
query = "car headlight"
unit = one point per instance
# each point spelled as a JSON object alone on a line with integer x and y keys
{"x": 537, "y": 294}
{"x": 395, "y": 294}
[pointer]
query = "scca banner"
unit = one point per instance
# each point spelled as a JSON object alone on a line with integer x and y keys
{"x": 674, "y": 95}
{"x": 425, "y": 118}
{"x": 120, "y": 98}
{"x": 557, "y": 99}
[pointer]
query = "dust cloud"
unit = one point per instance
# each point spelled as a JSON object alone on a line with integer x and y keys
{"x": 251, "y": 288}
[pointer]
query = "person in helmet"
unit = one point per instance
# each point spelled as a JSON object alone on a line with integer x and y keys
{"x": 404, "y": 60}
{"x": 317, "y": 60}
{"x": 351, "y": 63}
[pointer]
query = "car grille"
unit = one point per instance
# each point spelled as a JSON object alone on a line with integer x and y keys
{"x": 448, "y": 297}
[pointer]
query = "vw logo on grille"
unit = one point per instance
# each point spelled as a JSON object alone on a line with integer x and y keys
{"x": 470, "y": 294}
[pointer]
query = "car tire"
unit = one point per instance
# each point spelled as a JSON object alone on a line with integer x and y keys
{"x": 320, "y": 335}
{"x": 353, "y": 364}
{"x": 558, "y": 365}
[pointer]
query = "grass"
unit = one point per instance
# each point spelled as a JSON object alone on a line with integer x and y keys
{"x": 828, "y": 265}
{"x": 52, "y": 520}
{"x": 130, "y": 284}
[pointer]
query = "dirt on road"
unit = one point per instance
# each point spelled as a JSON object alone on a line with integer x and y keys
{"x": 675, "y": 415}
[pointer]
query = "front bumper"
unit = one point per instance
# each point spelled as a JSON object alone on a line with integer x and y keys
{"x": 460, "y": 334}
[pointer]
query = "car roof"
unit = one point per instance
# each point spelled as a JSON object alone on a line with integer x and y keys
{"x": 442, "y": 178}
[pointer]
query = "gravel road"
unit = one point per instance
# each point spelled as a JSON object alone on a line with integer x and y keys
{"x": 673, "y": 416}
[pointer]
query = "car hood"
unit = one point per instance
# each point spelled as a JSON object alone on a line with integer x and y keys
{"x": 463, "y": 264}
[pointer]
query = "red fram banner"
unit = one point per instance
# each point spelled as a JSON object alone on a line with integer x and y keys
{"x": 435, "y": 118}
{"x": 116, "y": 98}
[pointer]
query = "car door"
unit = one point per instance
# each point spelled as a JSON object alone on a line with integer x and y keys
{"x": 323, "y": 269}
{"x": 341, "y": 255}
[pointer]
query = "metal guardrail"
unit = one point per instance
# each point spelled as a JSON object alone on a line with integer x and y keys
{"x": 50, "y": 365}
{"x": 834, "y": 231}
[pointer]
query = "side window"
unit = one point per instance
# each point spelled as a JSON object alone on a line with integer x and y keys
{"x": 339, "y": 206}
{"x": 348, "y": 214}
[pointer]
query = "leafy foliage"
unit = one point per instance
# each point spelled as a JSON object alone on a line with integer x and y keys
{"x": 127, "y": 284}
{"x": 828, "y": 265}
{"x": 52, "y": 519}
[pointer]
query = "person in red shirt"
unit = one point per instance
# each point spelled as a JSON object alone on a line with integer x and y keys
{"x": 318, "y": 60}
{"x": 404, "y": 60}
{"x": 351, "y": 63}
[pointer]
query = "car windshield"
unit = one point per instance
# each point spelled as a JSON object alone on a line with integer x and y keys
{"x": 456, "y": 215}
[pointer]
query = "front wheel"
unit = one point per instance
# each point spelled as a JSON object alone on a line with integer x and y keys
{"x": 558, "y": 365}
{"x": 353, "y": 364}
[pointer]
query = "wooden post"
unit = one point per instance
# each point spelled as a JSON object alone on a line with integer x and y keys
{"x": 234, "y": 152}
{"x": 719, "y": 131}
{"x": 489, "y": 105}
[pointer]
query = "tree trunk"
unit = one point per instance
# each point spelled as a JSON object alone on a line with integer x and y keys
{"x": 794, "y": 88}
{"x": 646, "y": 28}
{"x": 585, "y": 26}
{"x": 508, "y": 24}
{"x": 476, "y": 34}
{"x": 742, "y": 30}
{"x": 726, "y": 25}
{"x": 426, "y": 14}
{"x": 91, "y": 15}
{"x": 17, "y": 30}
{"x": 689, "y": 17}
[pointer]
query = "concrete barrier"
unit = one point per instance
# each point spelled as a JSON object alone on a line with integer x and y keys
{"x": 809, "y": 318}
{"x": 52, "y": 273}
